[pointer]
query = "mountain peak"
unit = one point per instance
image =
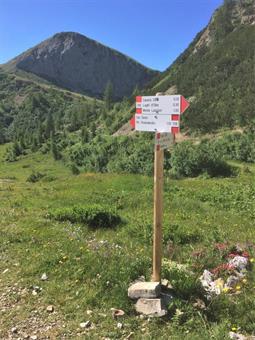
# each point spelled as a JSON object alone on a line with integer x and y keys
{"x": 73, "y": 61}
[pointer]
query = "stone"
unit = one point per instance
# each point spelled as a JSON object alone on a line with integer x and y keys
{"x": 85, "y": 324}
{"x": 144, "y": 290}
{"x": 14, "y": 330}
{"x": 44, "y": 277}
{"x": 50, "y": 309}
{"x": 33, "y": 337}
{"x": 117, "y": 312}
{"x": 237, "y": 336}
{"x": 152, "y": 307}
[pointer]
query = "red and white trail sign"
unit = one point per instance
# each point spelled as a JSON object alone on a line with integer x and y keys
{"x": 161, "y": 105}
{"x": 156, "y": 123}
{"x": 159, "y": 113}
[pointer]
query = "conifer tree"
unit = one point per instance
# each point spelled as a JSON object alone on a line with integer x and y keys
{"x": 108, "y": 96}
{"x": 50, "y": 127}
{"x": 84, "y": 135}
{"x": 54, "y": 148}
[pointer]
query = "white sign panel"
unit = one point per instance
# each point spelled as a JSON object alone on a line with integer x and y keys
{"x": 164, "y": 140}
{"x": 154, "y": 123}
{"x": 158, "y": 105}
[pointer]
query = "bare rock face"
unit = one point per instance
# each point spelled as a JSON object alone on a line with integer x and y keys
{"x": 77, "y": 63}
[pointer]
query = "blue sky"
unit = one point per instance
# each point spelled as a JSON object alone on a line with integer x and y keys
{"x": 154, "y": 32}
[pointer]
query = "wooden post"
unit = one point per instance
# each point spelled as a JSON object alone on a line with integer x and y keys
{"x": 158, "y": 213}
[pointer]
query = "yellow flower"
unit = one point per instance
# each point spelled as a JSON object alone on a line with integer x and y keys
{"x": 238, "y": 287}
{"x": 244, "y": 281}
{"x": 252, "y": 260}
{"x": 234, "y": 329}
{"x": 65, "y": 258}
{"x": 225, "y": 290}
{"x": 81, "y": 248}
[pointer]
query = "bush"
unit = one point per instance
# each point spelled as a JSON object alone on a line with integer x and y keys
{"x": 75, "y": 170}
{"x": 189, "y": 160}
{"x": 35, "y": 177}
{"x": 92, "y": 215}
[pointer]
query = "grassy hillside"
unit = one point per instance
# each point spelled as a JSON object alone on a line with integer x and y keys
{"x": 217, "y": 71}
{"x": 89, "y": 269}
{"x": 27, "y": 105}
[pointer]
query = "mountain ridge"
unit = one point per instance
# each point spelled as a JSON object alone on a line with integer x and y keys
{"x": 80, "y": 64}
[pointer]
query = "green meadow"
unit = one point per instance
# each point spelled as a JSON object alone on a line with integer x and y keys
{"x": 89, "y": 269}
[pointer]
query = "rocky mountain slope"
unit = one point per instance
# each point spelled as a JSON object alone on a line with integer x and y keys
{"x": 80, "y": 64}
{"x": 217, "y": 70}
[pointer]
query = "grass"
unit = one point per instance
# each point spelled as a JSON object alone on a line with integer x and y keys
{"x": 90, "y": 269}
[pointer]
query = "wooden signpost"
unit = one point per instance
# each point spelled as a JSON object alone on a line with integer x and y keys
{"x": 159, "y": 114}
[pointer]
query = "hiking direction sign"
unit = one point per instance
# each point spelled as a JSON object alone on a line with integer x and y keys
{"x": 159, "y": 113}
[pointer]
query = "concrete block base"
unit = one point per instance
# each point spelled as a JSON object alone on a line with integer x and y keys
{"x": 144, "y": 290}
{"x": 151, "y": 307}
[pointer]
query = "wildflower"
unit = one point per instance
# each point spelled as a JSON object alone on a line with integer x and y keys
{"x": 65, "y": 258}
{"x": 244, "y": 280}
{"x": 225, "y": 290}
{"x": 234, "y": 329}
{"x": 252, "y": 260}
{"x": 238, "y": 287}
{"x": 245, "y": 254}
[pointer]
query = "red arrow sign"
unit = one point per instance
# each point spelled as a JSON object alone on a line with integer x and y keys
{"x": 184, "y": 104}
{"x": 132, "y": 122}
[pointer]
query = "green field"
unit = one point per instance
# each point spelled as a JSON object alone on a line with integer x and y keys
{"x": 91, "y": 269}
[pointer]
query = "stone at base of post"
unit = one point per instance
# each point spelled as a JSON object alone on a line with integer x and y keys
{"x": 144, "y": 290}
{"x": 151, "y": 301}
{"x": 151, "y": 307}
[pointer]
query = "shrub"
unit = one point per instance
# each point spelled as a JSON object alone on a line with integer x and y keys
{"x": 189, "y": 160}
{"x": 92, "y": 215}
{"x": 75, "y": 170}
{"x": 35, "y": 177}
{"x": 181, "y": 235}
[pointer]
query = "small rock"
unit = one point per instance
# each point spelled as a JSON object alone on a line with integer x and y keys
{"x": 14, "y": 330}
{"x": 232, "y": 281}
{"x": 102, "y": 314}
{"x": 85, "y": 324}
{"x": 44, "y": 277}
{"x": 199, "y": 304}
{"x": 26, "y": 336}
{"x": 50, "y": 309}
{"x": 34, "y": 293}
{"x": 89, "y": 312}
{"x": 33, "y": 337}
{"x": 117, "y": 312}
{"x": 164, "y": 282}
{"x": 119, "y": 325}
{"x": 236, "y": 336}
